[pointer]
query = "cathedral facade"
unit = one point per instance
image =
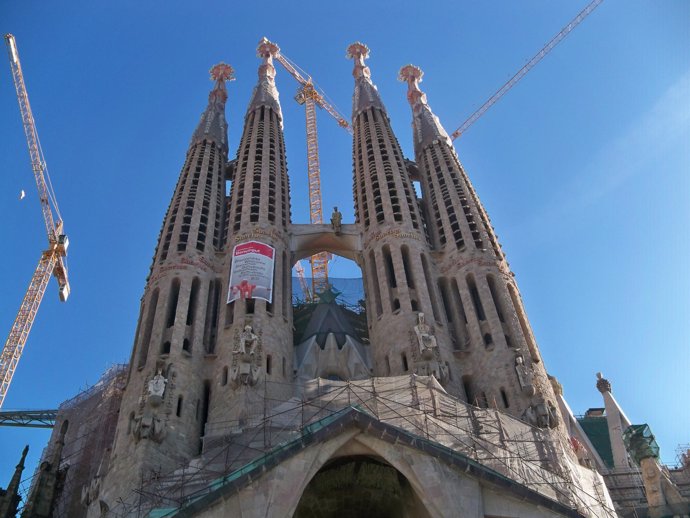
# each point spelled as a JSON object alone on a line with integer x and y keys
{"x": 437, "y": 403}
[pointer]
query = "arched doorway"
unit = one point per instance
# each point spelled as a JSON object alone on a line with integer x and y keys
{"x": 356, "y": 486}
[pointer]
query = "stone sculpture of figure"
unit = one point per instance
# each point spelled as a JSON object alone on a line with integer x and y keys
{"x": 336, "y": 220}
{"x": 525, "y": 376}
{"x": 427, "y": 341}
{"x": 157, "y": 385}
{"x": 248, "y": 341}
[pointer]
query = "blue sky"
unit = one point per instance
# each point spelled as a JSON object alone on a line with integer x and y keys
{"x": 583, "y": 167}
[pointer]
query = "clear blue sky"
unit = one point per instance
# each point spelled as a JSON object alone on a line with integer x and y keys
{"x": 583, "y": 167}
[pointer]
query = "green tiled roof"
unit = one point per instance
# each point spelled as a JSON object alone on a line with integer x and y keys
{"x": 597, "y": 430}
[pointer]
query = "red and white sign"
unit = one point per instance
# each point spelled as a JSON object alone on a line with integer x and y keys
{"x": 251, "y": 274}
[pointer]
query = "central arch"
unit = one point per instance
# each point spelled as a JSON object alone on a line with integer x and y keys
{"x": 355, "y": 486}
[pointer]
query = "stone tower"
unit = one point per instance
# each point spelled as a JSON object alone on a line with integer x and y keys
{"x": 395, "y": 255}
{"x": 166, "y": 398}
{"x": 490, "y": 334}
{"x": 258, "y": 218}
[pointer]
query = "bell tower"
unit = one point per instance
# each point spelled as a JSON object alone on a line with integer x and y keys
{"x": 499, "y": 360}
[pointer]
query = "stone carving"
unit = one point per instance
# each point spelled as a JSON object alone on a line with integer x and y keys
{"x": 425, "y": 338}
{"x": 426, "y": 355}
{"x": 246, "y": 358}
{"x": 524, "y": 374}
{"x": 148, "y": 424}
{"x": 156, "y": 388}
{"x": 603, "y": 385}
{"x": 247, "y": 339}
{"x": 336, "y": 220}
{"x": 542, "y": 414}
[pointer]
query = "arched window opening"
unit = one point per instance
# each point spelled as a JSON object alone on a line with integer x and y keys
{"x": 467, "y": 386}
{"x": 390, "y": 269}
{"x": 172, "y": 302}
{"x": 166, "y": 348}
{"x": 496, "y": 299}
{"x": 375, "y": 283}
{"x": 193, "y": 302}
{"x": 148, "y": 328}
{"x": 430, "y": 287}
{"x": 488, "y": 339}
{"x": 405, "y": 252}
{"x": 186, "y": 345}
{"x": 476, "y": 300}
{"x": 504, "y": 397}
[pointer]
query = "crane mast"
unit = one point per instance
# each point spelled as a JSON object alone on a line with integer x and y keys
{"x": 52, "y": 261}
{"x": 521, "y": 73}
{"x": 311, "y": 98}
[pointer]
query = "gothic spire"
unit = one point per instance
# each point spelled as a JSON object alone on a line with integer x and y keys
{"x": 427, "y": 128}
{"x": 212, "y": 125}
{"x": 265, "y": 92}
{"x": 366, "y": 94}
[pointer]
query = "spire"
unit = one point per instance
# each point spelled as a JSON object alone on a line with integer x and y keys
{"x": 366, "y": 94}
{"x": 426, "y": 126}
{"x": 265, "y": 92}
{"x": 212, "y": 125}
{"x": 9, "y": 500}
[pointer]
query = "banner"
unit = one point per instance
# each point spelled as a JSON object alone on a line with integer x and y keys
{"x": 251, "y": 274}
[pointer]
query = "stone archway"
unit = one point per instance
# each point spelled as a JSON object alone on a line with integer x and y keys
{"x": 356, "y": 486}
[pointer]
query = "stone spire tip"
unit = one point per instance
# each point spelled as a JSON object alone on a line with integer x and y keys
{"x": 603, "y": 385}
{"x": 222, "y": 72}
{"x": 412, "y": 75}
{"x": 267, "y": 49}
{"x": 358, "y": 51}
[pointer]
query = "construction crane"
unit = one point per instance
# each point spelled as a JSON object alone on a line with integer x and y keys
{"x": 530, "y": 64}
{"x": 52, "y": 261}
{"x": 311, "y": 98}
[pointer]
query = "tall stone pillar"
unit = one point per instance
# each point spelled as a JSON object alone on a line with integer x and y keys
{"x": 493, "y": 344}
{"x": 165, "y": 403}
{"x": 406, "y": 332}
{"x": 255, "y": 351}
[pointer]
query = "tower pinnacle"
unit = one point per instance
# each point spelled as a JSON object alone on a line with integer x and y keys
{"x": 427, "y": 127}
{"x": 265, "y": 92}
{"x": 212, "y": 125}
{"x": 366, "y": 94}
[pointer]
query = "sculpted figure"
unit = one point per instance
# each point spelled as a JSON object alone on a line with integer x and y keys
{"x": 157, "y": 385}
{"x": 427, "y": 341}
{"x": 525, "y": 376}
{"x": 248, "y": 341}
{"x": 336, "y": 220}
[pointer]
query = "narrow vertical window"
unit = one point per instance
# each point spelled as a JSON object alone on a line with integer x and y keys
{"x": 178, "y": 411}
{"x": 193, "y": 296}
{"x": 390, "y": 269}
{"x": 504, "y": 397}
{"x": 268, "y": 363}
{"x": 405, "y": 366}
{"x": 172, "y": 302}
{"x": 375, "y": 283}
{"x": 224, "y": 377}
{"x": 430, "y": 288}
{"x": 476, "y": 300}
{"x": 148, "y": 328}
{"x": 496, "y": 299}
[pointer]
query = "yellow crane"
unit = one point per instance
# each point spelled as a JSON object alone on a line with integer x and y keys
{"x": 311, "y": 98}
{"x": 52, "y": 261}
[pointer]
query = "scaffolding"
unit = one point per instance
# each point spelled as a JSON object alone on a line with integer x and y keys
{"x": 416, "y": 408}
